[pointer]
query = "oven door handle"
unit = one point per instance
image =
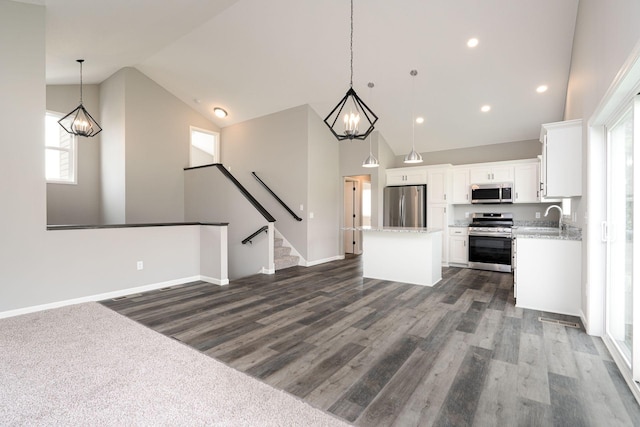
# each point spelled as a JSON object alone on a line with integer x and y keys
{"x": 480, "y": 234}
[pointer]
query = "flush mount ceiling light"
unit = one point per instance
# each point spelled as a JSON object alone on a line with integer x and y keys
{"x": 413, "y": 156}
{"x": 220, "y": 112}
{"x": 485, "y": 108}
{"x": 542, "y": 88}
{"x": 79, "y": 121}
{"x": 355, "y": 110}
{"x": 371, "y": 161}
{"x": 473, "y": 42}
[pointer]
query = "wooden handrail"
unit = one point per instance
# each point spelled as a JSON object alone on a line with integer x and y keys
{"x": 255, "y": 233}
{"x": 293, "y": 214}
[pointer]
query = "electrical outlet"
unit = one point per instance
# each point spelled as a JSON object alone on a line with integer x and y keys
{"x": 301, "y": 207}
{"x": 310, "y": 215}
{"x": 537, "y": 215}
{"x": 466, "y": 214}
{"x": 139, "y": 265}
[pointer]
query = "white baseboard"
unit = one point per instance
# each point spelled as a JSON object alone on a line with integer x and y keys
{"x": 268, "y": 270}
{"x": 322, "y": 261}
{"x": 219, "y": 282}
{"x": 108, "y": 295}
{"x": 584, "y": 321}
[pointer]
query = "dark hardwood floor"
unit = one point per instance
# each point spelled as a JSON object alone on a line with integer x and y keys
{"x": 374, "y": 352}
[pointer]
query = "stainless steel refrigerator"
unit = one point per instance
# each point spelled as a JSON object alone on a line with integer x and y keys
{"x": 405, "y": 206}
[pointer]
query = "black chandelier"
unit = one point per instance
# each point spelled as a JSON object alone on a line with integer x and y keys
{"x": 79, "y": 121}
{"x": 356, "y": 110}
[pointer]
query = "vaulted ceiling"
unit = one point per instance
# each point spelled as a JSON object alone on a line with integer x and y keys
{"x": 256, "y": 57}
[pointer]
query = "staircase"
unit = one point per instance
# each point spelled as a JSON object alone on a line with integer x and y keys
{"x": 282, "y": 255}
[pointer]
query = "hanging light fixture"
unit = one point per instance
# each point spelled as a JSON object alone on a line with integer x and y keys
{"x": 413, "y": 156}
{"x": 79, "y": 121}
{"x": 371, "y": 161}
{"x": 356, "y": 113}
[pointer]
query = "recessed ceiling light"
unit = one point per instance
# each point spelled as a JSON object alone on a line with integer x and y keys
{"x": 220, "y": 112}
{"x": 542, "y": 88}
{"x": 419, "y": 120}
{"x": 485, "y": 108}
{"x": 473, "y": 42}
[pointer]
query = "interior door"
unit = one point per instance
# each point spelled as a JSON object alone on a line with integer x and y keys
{"x": 352, "y": 217}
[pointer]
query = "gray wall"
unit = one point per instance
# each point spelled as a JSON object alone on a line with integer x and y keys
{"x": 324, "y": 194}
{"x": 145, "y": 147}
{"x": 112, "y": 150}
{"x": 79, "y": 203}
{"x": 276, "y": 148}
{"x": 211, "y": 197}
{"x": 157, "y": 129}
{"x": 487, "y": 153}
{"x": 46, "y": 267}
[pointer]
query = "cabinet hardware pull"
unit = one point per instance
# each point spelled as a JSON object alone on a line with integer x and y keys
{"x": 445, "y": 197}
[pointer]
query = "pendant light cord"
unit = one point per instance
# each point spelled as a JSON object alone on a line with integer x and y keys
{"x": 413, "y": 109}
{"x": 351, "y": 46}
{"x": 80, "y": 61}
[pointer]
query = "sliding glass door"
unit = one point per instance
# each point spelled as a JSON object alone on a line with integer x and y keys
{"x": 618, "y": 234}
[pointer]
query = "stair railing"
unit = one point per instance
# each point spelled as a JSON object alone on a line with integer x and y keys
{"x": 293, "y": 214}
{"x": 254, "y": 234}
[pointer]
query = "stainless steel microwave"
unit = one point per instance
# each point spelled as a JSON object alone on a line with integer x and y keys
{"x": 492, "y": 193}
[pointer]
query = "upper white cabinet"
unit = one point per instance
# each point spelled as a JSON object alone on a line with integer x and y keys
{"x": 406, "y": 176}
{"x": 526, "y": 182}
{"x": 438, "y": 185}
{"x": 489, "y": 174}
{"x": 561, "y": 166}
{"x": 460, "y": 191}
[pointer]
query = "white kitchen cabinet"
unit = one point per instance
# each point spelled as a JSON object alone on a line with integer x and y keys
{"x": 490, "y": 174}
{"x": 458, "y": 246}
{"x": 526, "y": 183}
{"x": 438, "y": 217}
{"x": 460, "y": 191}
{"x": 406, "y": 176}
{"x": 547, "y": 275}
{"x": 437, "y": 185}
{"x": 561, "y": 166}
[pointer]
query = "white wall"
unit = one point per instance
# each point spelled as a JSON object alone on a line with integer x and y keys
{"x": 43, "y": 267}
{"x": 77, "y": 203}
{"x": 606, "y": 33}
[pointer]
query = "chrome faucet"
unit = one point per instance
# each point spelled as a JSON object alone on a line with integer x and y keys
{"x": 560, "y": 224}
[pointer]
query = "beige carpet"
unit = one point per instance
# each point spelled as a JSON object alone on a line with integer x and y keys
{"x": 87, "y": 365}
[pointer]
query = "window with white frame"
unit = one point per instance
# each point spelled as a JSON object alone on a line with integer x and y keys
{"x": 60, "y": 152}
{"x": 205, "y": 147}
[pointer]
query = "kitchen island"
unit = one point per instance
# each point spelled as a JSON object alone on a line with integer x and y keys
{"x": 402, "y": 254}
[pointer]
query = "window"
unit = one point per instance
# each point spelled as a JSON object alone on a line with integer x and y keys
{"x": 205, "y": 149}
{"x": 60, "y": 152}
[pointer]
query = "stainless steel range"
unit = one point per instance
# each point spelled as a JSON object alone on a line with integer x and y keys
{"x": 490, "y": 241}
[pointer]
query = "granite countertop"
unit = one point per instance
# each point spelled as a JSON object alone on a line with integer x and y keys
{"x": 423, "y": 230}
{"x": 571, "y": 233}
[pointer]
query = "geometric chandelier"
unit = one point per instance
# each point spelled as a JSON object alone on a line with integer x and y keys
{"x": 356, "y": 113}
{"x": 79, "y": 121}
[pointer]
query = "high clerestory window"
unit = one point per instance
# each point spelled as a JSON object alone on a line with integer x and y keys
{"x": 60, "y": 152}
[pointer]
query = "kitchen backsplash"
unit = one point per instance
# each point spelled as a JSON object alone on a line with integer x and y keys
{"x": 523, "y": 214}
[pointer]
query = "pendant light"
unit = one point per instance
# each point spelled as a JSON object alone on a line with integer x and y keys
{"x": 371, "y": 161}
{"x": 356, "y": 113}
{"x": 413, "y": 156}
{"x": 79, "y": 121}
